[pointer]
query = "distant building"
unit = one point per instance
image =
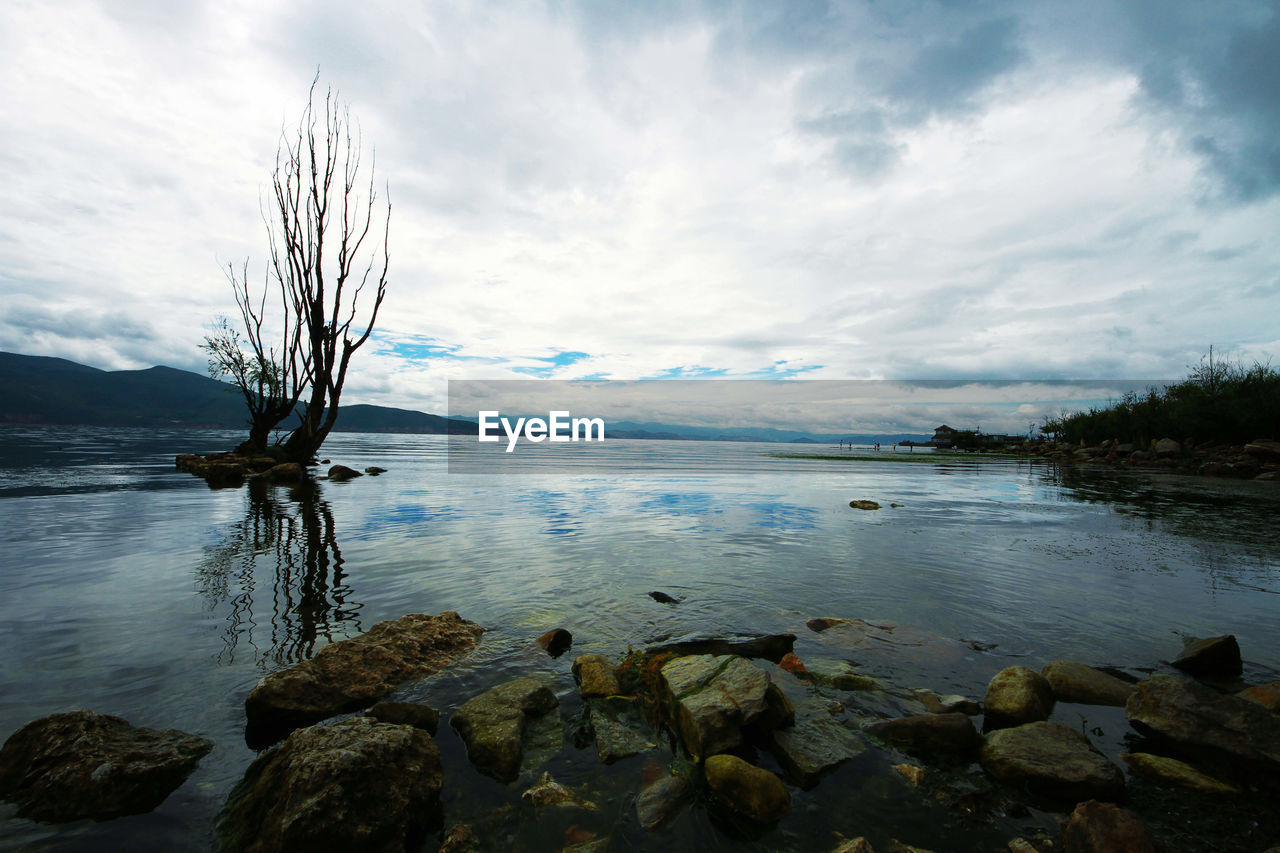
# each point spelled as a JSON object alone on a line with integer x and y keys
{"x": 943, "y": 436}
{"x": 968, "y": 439}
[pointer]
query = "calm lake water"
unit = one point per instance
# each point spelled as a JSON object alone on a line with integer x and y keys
{"x": 134, "y": 590}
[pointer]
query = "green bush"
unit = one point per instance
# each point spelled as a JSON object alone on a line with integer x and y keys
{"x": 1220, "y": 402}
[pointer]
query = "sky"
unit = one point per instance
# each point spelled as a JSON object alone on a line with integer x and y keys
{"x": 606, "y": 190}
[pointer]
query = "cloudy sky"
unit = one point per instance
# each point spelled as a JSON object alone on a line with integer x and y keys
{"x": 826, "y": 190}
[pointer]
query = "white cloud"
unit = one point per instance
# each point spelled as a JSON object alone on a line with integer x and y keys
{"x": 678, "y": 198}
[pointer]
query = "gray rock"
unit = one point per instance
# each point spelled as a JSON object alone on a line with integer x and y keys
{"x": 661, "y": 799}
{"x": 930, "y": 736}
{"x": 1212, "y": 657}
{"x": 712, "y": 698}
{"x": 1076, "y": 682}
{"x": 359, "y": 784}
{"x": 615, "y": 726}
{"x": 1202, "y": 719}
{"x": 81, "y": 764}
{"x": 813, "y": 746}
{"x": 1017, "y": 695}
{"x": 352, "y": 674}
{"x": 1053, "y": 760}
{"x": 493, "y": 724}
{"x": 1167, "y": 447}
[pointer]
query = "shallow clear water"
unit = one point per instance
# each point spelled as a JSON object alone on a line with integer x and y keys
{"x": 134, "y": 590}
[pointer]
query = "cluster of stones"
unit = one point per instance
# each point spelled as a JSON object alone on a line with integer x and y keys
{"x": 230, "y": 470}
{"x": 1256, "y": 460}
{"x": 373, "y": 781}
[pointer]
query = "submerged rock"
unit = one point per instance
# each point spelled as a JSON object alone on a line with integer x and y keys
{"x": 493, "y": 724}
{"x": 1200, "y": 718}
{"x": 285, "y": 472}
{"x": 935, "y": 704}
{"x": 868, "y": 505}
{"x": 408, "y": 714}
{"x": 374, "y": 470}
{"x": 745, "y": 789}
{"x": 81, "y": 764}
{"x": 1174, "y": 772}
{"x": 771, "y": 647}
{"x": 930, "y": 736}
{"x": 351, "y": 674}
{"x": 712, "y": 697}
{"x": 813, "y": 746}
{"x": 1212, "y": 657}
{"x": 1097, "y": 827}
{"x": 549, "y": 792}
{"x": 661, "y": 799}
{"x": 342, "y": 472}
{"x": 1017, "y": 695}
{"x": 840, "y": 674}
{"x": 663, "y": 598}
{"x": 358, "y": 784}
{"x": 615, "y": 726}
{"x": 1053, "y": 760}
{"x": 1076, "y": 682}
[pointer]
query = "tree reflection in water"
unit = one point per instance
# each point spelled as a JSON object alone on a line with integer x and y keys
{"x": 285, "y": 544}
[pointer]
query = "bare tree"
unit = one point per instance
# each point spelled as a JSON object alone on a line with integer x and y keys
{"x": 272, "y": 373}
{"x": 317, "y": 192}
{"x": 325, "y": 251}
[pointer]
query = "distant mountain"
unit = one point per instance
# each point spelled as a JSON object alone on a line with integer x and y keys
{"x": 634, "y": 429}
{"x": 40, "y": 390}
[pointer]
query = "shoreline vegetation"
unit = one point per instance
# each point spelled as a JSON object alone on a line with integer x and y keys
{"x": 1223, "y": 420}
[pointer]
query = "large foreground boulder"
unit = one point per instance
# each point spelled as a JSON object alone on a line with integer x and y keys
{"x": 351, "y": 674}
{"x": 1203, "y": 720}
{"x": 359, "y": 784}
{"x": 1077, "y": 682}
{"x": 713, "y": 697}
{"x": 493, "y": 724}
{"x": 80, "y": 764}
{"x": 1052, "y": 760}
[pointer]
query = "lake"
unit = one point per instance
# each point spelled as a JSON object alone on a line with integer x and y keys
{"x": 131, "y": 589}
